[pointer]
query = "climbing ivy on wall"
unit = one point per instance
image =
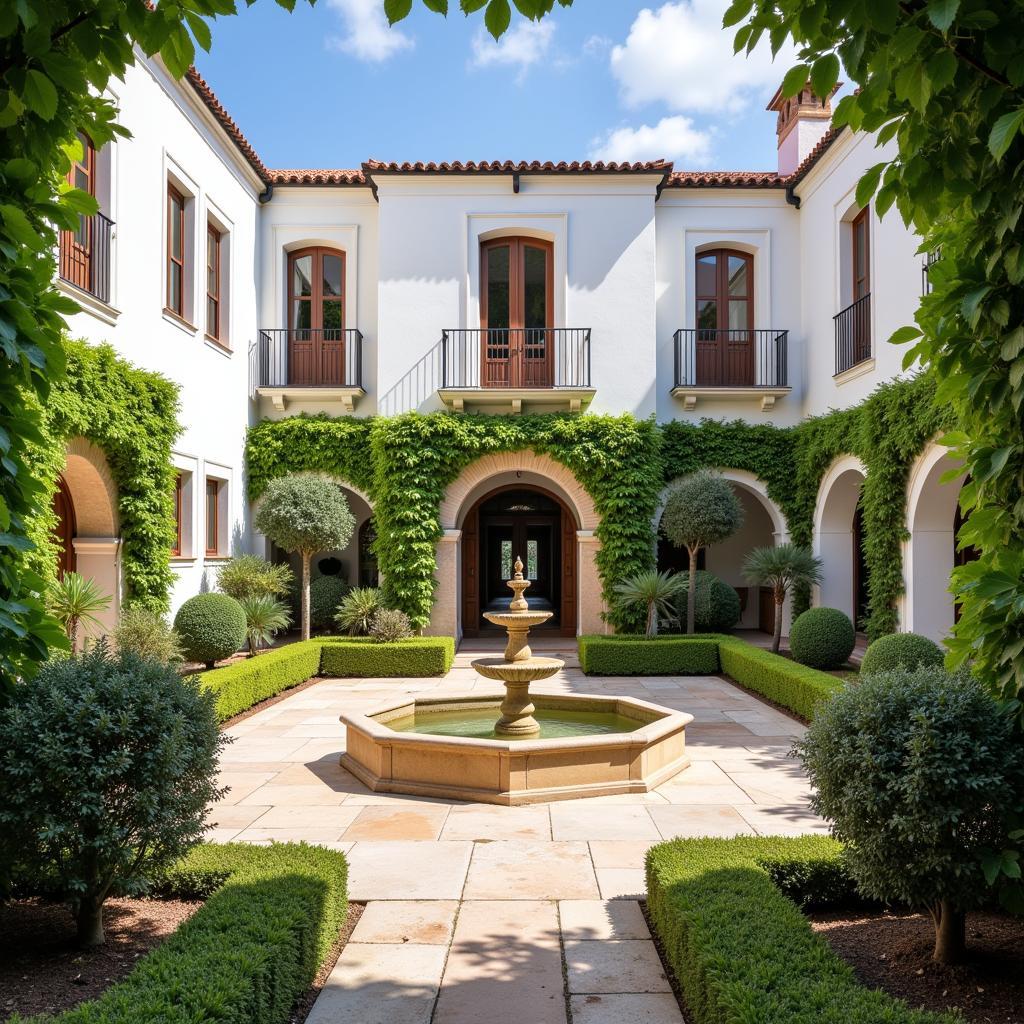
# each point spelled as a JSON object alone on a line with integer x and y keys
{"x": 132, "y": 416}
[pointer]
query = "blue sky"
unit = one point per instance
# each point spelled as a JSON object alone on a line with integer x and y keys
{"x": 332, "y": 85}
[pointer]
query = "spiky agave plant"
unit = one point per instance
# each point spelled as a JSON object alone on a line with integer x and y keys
{"x": 782, "y": 568}
{"x": 357, "y": 609}
{"x": 75, "y": 601}
{"x": 265, "y": 616}
{"x": 654, "y": 591}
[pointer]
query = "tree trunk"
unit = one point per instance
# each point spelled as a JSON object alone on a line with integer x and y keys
{"x": 691, "y": 600}
{"x": 89, "y": 919}
{"x": 652, "y": 619}
{"x": 780, "y": 600}
{"x": 950, "y": 933}
{"x": 73, "y": 632}
{"x": 305, "y": 595}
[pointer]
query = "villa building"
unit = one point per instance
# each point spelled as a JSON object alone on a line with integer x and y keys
{"x": 496, "y": 287}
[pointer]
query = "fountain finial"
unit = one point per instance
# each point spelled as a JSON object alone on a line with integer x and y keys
{"x": 517, "y": 585}
{"x": 518, "y": 568}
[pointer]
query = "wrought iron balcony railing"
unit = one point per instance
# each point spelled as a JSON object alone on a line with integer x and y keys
{"x": 305, "y": 357}
{"x": 85, "y": 255}
{"x": 731, "y": 358}
{"x": 516, "y": 357}
{"x": 853, "y": 334}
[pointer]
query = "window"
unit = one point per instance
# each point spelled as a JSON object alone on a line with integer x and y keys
{"x": 316, "y": 317}
{"x": 212, "y": 517}
{"x": 213, "y": 304}
{"x": 176, "y": 545}
{"x": 853, "y": 324}
{"x": 724, "y": 295}
{"x": 861, "y": 253}
{"x": 76, "y": 247}
{"x": 175, "y": 251}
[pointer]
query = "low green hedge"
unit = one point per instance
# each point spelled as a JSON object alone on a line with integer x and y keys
{"x": 794, "y": 686}
{"x": 362, "y": 656}
{"x": 271, "y": 917}
{"x": 631, "y": 655}
{"x": 742, "y": 952}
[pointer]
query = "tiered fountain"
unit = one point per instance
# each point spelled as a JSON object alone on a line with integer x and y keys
{"x": 541, "y": 747}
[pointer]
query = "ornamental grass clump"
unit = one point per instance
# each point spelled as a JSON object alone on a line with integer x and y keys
{"x": 356, "y": 611}
{"x": 920, "y": 774}
{"x": 251, "y": 576}
{"x": 107, "y": 765}
{"x": 265, "y": 617}
{"x": 75, "y": 601}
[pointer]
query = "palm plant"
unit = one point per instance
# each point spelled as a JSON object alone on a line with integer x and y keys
{"x": 74, "y": 602}
{"x": 357, "y": 609}
{"x": 654, "y": 591}
{"x": 782, "y": 568}
{"x": 265, "y": 616}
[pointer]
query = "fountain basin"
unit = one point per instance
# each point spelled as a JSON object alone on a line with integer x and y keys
{"x": 511, "y": 771}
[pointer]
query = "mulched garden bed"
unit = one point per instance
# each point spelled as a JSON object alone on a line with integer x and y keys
{"x": 893, "y": 952}
{"x": 41, "y": 969}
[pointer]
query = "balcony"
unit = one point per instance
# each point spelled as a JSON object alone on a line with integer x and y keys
{"x": 731, "y": 363}
{"x": 85, "y": 256}
{"x": 511, "y": 366}
{"x": 853, "y": 335}
{"x": 321, "y": 366}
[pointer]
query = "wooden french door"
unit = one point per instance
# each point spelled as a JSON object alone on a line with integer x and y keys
{"x": 725, "y": 318}
{"x": 861, "y": 262}
{"x": 316, "y": 317}
{"x": 76, "y": 247}
{"x": 516, "y": 313}
{"x": 65, "y": 528}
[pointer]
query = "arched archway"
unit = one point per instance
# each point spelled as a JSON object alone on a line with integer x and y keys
{"x": 838, "y": 539}
{"x": 929, "y": 553}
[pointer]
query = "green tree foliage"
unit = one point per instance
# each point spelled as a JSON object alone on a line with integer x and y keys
{"x": 782, "y": 568}
{"x": 655, "y": 592}
{"x": 107, "y": 765}
{"x": 305, "y": 513}
{"x": 497, "y": 13}
{"x": 251, "y": 576}
{"x": 917, "y": 771}
{"x": 700, "y": 510}
{"x": 944, "y": 80}
{"x": 717, "y": 607}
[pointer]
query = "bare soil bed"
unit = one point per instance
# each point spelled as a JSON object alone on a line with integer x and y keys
{"x": 42, "y": 970}
{"x": 893, "y": 952}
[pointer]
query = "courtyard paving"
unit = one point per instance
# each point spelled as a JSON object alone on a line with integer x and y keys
{"x": 521, "y": 914}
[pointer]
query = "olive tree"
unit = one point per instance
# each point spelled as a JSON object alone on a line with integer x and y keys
{"x": 782, "y": 568}
{"x": 919, "y": 773}
{"x": 700, "y": 510}
{"x": 305, "y": 513}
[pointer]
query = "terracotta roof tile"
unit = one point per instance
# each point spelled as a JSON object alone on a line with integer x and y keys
{"x": 520, "y": 167}
{"x": 318, "y": 176}
{"x": 725, "y": 179}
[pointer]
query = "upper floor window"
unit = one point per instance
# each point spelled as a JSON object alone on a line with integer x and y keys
{"x": 316, "y": 316}
{"x": 724, "y": 302}
{"x": 176, "y": 545}
{"x": 853, "y": 324}
{"x": 213, "y": 283}
{"x": 861, "y": 255}
{"x": 212, "y": 516}
{"x": 176, "y": 262}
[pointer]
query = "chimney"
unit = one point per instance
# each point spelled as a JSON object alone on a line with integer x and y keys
{"x": 803, "y": 121}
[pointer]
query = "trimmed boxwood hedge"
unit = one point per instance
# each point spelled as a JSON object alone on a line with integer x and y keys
{"x": 363, "y": 656}
{"x": 248, "y": 953}
{"x": 743, "y": 953}
{"x": 631, "y": 655}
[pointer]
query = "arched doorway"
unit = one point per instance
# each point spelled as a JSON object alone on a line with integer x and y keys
{"x": 839, "y": 540}
{"x": 65, "y": 528}
{"x": 529, "y": 522}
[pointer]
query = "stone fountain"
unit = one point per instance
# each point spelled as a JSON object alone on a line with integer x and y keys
{"x": 518, "y": 667}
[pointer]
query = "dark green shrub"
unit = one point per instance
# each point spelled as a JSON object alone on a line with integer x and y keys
{"x": 901, "y": 650}
{"x": 389, "y": 625}
{"x": 361, "y": 656}
{"x": 919, "y": 773}
{"x": 822, "y": 638}
{"x": 107, "y": 764}
{"x": 640, "y": 655}
{"x": 717, "y": 604}
{"x": 325, "y": 594}
{"x": 271, "y": 917}
{"x": 794, "y": 686}
{"x": 211, "y": 627}
{"x": 742, "y": 951}
{"x": 813, "y": 881}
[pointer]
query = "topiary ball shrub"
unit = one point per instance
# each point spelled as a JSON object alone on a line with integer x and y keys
{"x": 901, "y": 650}
{"x": 920, "y": 774}
{"x": 717, "y": 606}
{"x": 211, "y": 628}
{"x": 325, "y": 594}
{"x": 822, "y": 638}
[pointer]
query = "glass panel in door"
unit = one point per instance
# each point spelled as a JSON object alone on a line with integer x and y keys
{"x": 497, "y": 343}
{"x": 536, "y": 348}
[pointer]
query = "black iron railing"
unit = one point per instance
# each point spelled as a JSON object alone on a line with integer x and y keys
{"x": 307, "y": 358}
{"x": 853, "y": 334}
{"x": 516, "y": 357}
{"x": 927, "y": 263}
{"x": 708, "y": 358}
{"x": 85, "y": 255}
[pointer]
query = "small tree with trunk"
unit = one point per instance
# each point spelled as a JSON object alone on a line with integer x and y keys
{"x": 305, "y": 513}
{"x": 107, "y": 765}
{"x": 700, "y": 510}
{"x": 782, "y": 568}
{"x": 920, "y": 774}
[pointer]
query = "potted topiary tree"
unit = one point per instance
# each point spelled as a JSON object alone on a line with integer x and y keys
{"x": 305, "y": 513}
{"x": 700, "y": 510}
{"x": 782, "y": 568}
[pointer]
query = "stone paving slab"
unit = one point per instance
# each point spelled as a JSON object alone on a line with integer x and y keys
{"x": 407, "y": 870}
{"x": 632, "y": 1008}
{"x": 531, "y": 870}
{"x": 423, "y": 922}
{"x": 602, "y": 919}
{"x": 614, "y": 965}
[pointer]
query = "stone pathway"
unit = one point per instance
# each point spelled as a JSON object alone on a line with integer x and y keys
{"x": 521, "y": 914}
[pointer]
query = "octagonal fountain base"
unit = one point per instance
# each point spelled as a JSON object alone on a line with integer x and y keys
{"x": 642, "y": 746}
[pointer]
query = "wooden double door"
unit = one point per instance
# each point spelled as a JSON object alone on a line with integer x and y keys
{"x": 725, "y": 344}
{"x": 316, "y": 317}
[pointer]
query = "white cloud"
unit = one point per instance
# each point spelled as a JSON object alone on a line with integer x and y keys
{"x": 681, "y": 56}
{"x": 520, "y": 48}
{"x": 367, "y": 34}
{"x": 596, "y": 45}
{"x": 674, "y": 138}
